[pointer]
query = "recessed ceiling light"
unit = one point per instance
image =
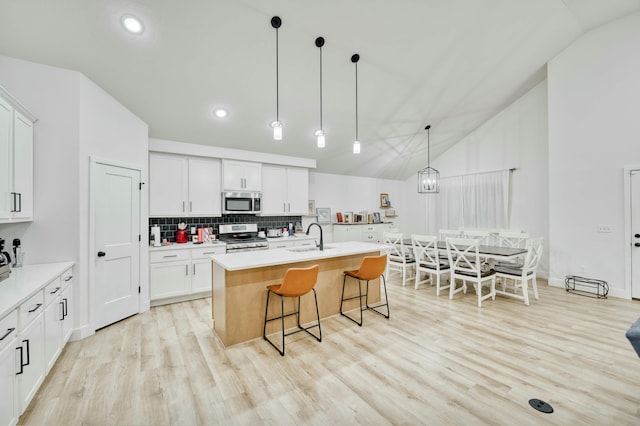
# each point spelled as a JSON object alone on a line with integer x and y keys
{"x": 132, "y": 24}
{"x": 220, "y": 112}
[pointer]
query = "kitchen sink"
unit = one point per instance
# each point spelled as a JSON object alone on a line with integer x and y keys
{"x": 308, "y": 248}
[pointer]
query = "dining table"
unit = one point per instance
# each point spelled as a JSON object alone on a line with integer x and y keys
{"x": 486, "y": 251}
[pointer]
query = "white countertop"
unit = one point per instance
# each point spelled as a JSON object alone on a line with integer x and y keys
{"x": 262, "y": 258}
{"x": 292, "y": 238}
{"x": 26, "y": 281}
{"x": 189, "y": 245}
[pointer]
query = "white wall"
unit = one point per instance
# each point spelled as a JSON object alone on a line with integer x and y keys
{"x": 75, "y": 119}
{"x": 594, "y": 123}
{"x": 515, "y": 138}
{"x": 51, "y": 95}
{"x": 343, "y": 193}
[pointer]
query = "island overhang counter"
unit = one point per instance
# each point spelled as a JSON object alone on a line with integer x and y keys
{"x": 239, "y": 284}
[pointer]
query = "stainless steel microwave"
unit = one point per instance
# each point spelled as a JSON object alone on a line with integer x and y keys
{"x": 241, "y": 202}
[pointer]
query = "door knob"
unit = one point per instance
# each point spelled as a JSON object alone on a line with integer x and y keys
{"x": 101, "y": 254}
{"x": 637, "y": 244}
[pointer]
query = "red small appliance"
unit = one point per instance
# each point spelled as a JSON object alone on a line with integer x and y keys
{"x": 181, "y": 234}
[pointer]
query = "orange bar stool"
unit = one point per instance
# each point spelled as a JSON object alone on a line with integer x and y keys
{"x": 372, "y": 267}
{"x": 296, "y": 283}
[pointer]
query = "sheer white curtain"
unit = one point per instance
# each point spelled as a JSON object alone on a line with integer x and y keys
{"x": 478, "y": 200}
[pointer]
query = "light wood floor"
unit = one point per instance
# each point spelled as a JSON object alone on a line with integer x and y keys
{"x": 436, "y": 361}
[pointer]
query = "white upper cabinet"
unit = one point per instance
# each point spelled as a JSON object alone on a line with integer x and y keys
{"x": 183, "y": 186}
{"x": 6, "y": 140}
{"x": 285, "y": 190}
{"x": 241, "y": 176}
{"x": 16, "y": 165}
{"x": 204, "y": 187}
{"x": 168, "y": 185}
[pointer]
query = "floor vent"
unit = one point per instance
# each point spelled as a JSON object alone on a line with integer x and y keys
{"x": 540, "y": 405}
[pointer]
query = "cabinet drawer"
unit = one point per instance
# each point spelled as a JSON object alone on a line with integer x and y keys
{"x": 31, "y": 309}
{"x": 52, "y": 291}
{"x": 280, "y": 244}
{"x": 205, "y": 252}
{"x": 168, "y": 256}
{"x": 67, "y": 277}
{"x": 8, "y": 328}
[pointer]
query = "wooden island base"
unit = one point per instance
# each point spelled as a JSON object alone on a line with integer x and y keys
{"x": 240, "y": 296}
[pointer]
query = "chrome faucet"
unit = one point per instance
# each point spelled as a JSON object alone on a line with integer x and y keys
{"x": 321, "y": 245}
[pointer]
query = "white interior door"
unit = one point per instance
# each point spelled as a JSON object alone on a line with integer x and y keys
{"x": 115, "y": 201}
{"x": 635, "y": 234}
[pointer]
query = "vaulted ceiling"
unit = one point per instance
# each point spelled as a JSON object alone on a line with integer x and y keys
{"x": 452, "y": 64}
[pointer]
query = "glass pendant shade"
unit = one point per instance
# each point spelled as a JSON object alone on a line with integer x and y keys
{"x": 356, "y": 147}
{"x": 320, "y": 138}
{"x": 428, "y": 181}
{"x": 277, "y": 130}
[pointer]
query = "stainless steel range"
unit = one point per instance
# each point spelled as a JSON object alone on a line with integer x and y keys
{"x": 242, "y": 237}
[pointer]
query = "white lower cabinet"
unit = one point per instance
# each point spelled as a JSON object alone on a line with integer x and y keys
{"x": 371, "y": 232}
{"x": 58, "y": 322}
{"x": 9, "y": 403}
{"x": 176, "y": 275}
{"x": 276, "y": 244}
{"x": 282, "y": 243}
{"x": 32, "y": 336}
{"x": 31, "y": 349}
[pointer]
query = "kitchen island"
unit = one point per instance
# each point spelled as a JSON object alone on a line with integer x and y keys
{"x": 240, "y": 285}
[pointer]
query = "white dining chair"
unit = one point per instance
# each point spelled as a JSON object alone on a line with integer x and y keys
{"x": 400, "y": 258}
{"x": 517, "y": 278}
{"x": 443, "y": 234}
{"x": 428, "y": 261}
{"x": 512, "y": 239}
{"x": 477, "y": 234}
{"x": 466, "y": 265}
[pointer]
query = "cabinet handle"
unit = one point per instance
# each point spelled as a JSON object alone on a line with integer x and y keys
{"x": 194, "y": 269}
{"x": 35, "y": 308}
{"x": 62, "y": 306}
{"x": 65, "y": 312}
{"x": 21, "y": 364}
{"x": 186, "y": 270}
{"x": 20, "y": 201}
{"x": 54, "y": 291}
{"x": 284, "y": 207}
{"x": 9, "y": 331}
{"x": 183, "y": 207}
{"x": 209, "y": 252}
{"x": 170, "y": 255}
{"x": 289, "y": 207}
{"x": 190, "y": 206}
{"x": 69, "y": 278}
{"x": 28, "y": 356}
{"x": 15, "y": 203}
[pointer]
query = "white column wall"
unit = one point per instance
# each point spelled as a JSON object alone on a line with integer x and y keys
{"x": 111, "y": 132}
{"x": 594, "y": 123}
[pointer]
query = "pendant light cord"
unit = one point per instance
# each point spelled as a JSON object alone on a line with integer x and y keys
{"x": 357, "y": 101}
{"x": 277, "y": 79}
{"x": 320, "y": 87}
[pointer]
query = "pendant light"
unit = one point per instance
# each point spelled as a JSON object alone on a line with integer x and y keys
{"x": 276, "y": 22}
{"x": 428, "y": 178}
{"x": 320, "y": 133}
{"x": 356, "y": 143}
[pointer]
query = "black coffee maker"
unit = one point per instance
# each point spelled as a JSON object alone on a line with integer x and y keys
{"x": 5, "y": 262}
